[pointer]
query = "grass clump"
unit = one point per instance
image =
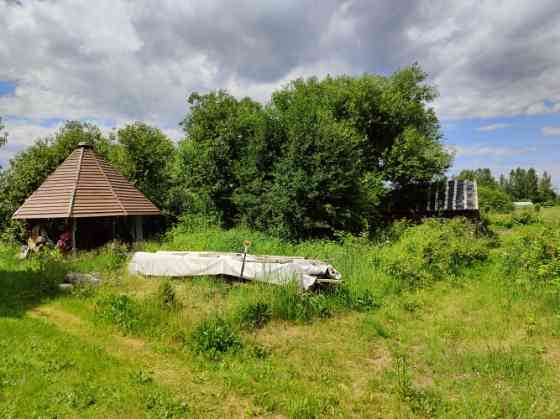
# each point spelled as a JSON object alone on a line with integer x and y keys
{"x": 291, "y": 303}
{"x": 254, "y": 315}
{"x": 119, "y": 310}
{"x": 517, "y": 218}
{"x": 214, "y": 337}
{"x": 433, "y": 251}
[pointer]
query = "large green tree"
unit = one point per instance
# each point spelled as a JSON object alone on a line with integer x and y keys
{"x": 319, "y": 156}
{"x": 221, "y": 130}
{"x": 144, "y": 155}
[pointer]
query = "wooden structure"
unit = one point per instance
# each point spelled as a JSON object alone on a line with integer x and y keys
{"x": 443, "y": 199}
{"x": 85, "y": 187}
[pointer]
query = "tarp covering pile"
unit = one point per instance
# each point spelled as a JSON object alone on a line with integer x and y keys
{"x": 271, "y": 269}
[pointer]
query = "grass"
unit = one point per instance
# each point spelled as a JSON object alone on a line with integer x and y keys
{"x": 417, "y": 331}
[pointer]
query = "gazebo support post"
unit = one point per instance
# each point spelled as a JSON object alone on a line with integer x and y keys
{"x": 74, "y": 228}
{"x": 138, "y": 231}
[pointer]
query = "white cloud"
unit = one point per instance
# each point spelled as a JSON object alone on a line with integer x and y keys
{"x": 550, "y": 131}
{"x": 489, "y": 151}
{"x": 492, "y": 127}
{"x": 124, "y": 61}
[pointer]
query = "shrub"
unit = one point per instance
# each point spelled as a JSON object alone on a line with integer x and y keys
{"x": 494, "y": 199}
{"x": 533, "y": 256}
{"x": 290, "y": 303}
{"x": 213, "y": 337}
{"x": 254, "y": 315}
{"x": 518, "y": 218}
{"x": 432, "y": 251}
{"x": 119, "y": 310}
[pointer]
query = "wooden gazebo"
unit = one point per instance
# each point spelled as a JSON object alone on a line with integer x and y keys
{"x": 86, "y": 187}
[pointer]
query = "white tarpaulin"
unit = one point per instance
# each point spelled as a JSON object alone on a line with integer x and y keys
{"x": 271, "y": 269}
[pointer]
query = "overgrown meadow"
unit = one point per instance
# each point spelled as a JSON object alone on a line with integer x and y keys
{"x": 442, "y": 319}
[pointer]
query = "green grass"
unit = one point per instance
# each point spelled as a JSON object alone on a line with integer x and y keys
{"x": 434, "y": 323}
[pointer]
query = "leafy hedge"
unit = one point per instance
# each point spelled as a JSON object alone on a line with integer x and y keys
{"x": 533, "y": 256}
{"x": 433, "y": 251}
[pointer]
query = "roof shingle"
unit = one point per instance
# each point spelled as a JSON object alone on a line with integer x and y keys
{"x": 85, "y": 185}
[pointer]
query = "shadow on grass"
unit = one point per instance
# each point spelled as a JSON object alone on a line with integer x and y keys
{"x": 22, "y": 290}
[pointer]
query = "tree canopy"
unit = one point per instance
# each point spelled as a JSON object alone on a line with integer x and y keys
{"x": 318, "y": 157}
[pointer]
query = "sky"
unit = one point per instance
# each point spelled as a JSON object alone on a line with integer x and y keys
{"x": 495, "y": 63}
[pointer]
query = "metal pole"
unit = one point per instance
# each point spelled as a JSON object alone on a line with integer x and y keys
{"x": 246, "y": 245}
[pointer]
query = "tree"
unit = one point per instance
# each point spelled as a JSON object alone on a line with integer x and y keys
{"x": 317, "y": 158}
{"x": 546, "y": 191}
{"x": 532, "y": 184}
{"x": 483, "y": 177}
{"x": 220, "y": 129}
{"x": 3, "y": 135}
{"x": 144, "y": 155}
{"x": 494, "y": 198}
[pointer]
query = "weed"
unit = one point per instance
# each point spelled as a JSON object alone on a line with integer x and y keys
{"x": 254, "y": 315}
{"x": 373, "y": 327}
{"x": 161, "y": 406}
{"x": 141, "y": 377}
{"x": 213, "y": 337}
{"x": 119, "y": 310}
{"x": 423, "y": 402}
{"x": 290, "y": 303}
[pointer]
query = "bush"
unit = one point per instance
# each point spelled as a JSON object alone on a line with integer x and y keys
{"x": 290, "y": 303}
{"x": 518, "y": 218}
{"x": 213, "y": 337}
{"x": 494, "y": 199}
{"x": 433, "y": 251}
{"x": 119, "y": 310}
{"x": 254, "y": 315}
{"x": 533, "y": 256}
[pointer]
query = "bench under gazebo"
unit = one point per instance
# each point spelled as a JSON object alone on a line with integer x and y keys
{"x": 92, "y": 197}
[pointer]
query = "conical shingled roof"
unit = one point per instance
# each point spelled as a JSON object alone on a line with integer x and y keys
{"x": 85, "y": 185}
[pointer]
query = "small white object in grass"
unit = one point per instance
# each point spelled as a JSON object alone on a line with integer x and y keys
{"x": 65, "y": 287}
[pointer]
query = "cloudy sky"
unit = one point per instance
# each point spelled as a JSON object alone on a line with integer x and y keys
{"x": 496, "y": 63}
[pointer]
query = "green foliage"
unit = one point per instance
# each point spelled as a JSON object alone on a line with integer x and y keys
{"x": 3, "y": 135}
{"x": 431, "y": 251}
{"x": 483, "y": 177}
{"x": 517, "y": 218}
{"x": 315, "y": 160}
{"x": 533, "y": 257}
{"x": 121, "y": 311}
{"x": 254, "y": 315}
{"x": 213, "y": 337}
{"x": 144, "y": 155}
{"x": 290, "y": 303}
{"x": 492, "y": 198}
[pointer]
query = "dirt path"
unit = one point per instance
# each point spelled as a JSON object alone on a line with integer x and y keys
{"x": 207, "y": 398}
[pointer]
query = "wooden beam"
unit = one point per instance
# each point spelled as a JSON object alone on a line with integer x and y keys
{"x": 74, "y": 228}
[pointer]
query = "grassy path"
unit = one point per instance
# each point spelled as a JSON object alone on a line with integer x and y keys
{"x": 165, "y": 369}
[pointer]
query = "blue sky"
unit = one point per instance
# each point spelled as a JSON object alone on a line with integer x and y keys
{"x": 505, "y": 143}
{"x": 496, "y": 63}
